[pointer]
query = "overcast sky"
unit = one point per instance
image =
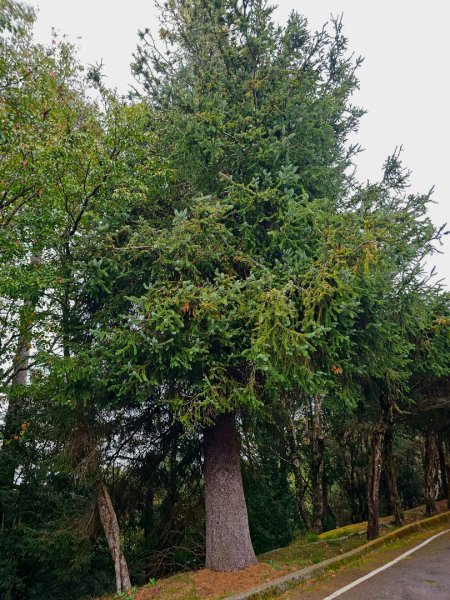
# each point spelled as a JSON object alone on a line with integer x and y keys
{"x": 404, "y": 78}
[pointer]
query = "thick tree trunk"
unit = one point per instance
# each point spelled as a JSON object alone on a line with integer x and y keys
{"x": 317, "y": 455}
{"x": 373, "y": 482}
{"x": 389, "y": 465}
{"x": 228, "y": 543}
{"x": 430, "y": 467}
{"x": 110, "y": 525}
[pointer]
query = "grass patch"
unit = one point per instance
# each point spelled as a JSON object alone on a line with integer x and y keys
{"x": 308, "y": 549}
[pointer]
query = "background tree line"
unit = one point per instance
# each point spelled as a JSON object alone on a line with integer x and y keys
{"x": 213, "y": 335}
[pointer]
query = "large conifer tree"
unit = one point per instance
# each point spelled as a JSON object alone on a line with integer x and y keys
{"x": 255, "y": 118}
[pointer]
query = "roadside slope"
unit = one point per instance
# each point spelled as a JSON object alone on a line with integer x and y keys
{"x": 390, "y": 571}
{"x": 309, "y": 551}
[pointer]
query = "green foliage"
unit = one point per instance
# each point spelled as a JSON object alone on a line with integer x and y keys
{"x": 270, "y": 498}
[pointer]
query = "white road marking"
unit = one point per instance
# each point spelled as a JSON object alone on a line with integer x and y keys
{"x": 386, "y": 566}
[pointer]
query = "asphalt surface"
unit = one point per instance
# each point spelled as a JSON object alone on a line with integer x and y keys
{"x": 423, "y": 575}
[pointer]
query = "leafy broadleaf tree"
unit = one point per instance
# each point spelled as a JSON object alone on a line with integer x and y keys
{"x": 65, "y": 158}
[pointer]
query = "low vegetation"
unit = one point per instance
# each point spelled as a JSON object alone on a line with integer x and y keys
{"x": 306, "y": 550}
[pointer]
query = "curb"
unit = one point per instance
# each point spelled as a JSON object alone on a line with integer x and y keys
{"x": 282, "y": 584}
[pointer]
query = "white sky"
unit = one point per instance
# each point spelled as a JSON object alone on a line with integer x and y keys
{"x": 404, "y": 86}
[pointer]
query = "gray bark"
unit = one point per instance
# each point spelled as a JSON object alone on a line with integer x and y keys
{"x": 430, "y": 467}
{"x": 389, "y": 465}
{"x": 110, "y": 526}
{"x": 447, "y": 468}
{"x": 317, "y": 467}
{"x": 442, "y": 467}
{"x": 20, "y": 367}
{"x": 296, "y": 468}
{"x": 373, "y": 481}
{"x": 228, "y": 543}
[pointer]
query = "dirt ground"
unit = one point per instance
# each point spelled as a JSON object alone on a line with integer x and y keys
{"x": 206, "y": 584}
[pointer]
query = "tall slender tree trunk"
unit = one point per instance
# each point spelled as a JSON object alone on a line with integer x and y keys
{"x": 8, "y": 451}
{"x": 329, "y": 518}
{"x": 228, "y": 543}
{"x": 430, "y": 468}
{"x": 107, "y": 514}
{"x": 447, "y": 467}
{"x": 389, "y": 466}
{"x": 353, "y": 485}
{"x": 297, "y": 471}
{"x": 317, "y": 468}
{"x": 110, "y": 525}
{"x": 373, "y": 481}
{"x": 12, "y": 417}
{"x": 21, "y": 359}
{"x": 20, "y": 366}
{"x": 147, "y": 520}
{"x": 442, "y": 468}
{"x": 353, "y": 516}
{"x": 300, "y": 490}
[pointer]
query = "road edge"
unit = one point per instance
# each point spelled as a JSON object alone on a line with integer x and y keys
{"x": 282, "y": 584}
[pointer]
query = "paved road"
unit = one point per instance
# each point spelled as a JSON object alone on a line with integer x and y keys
{"x": 423, "y": 575}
